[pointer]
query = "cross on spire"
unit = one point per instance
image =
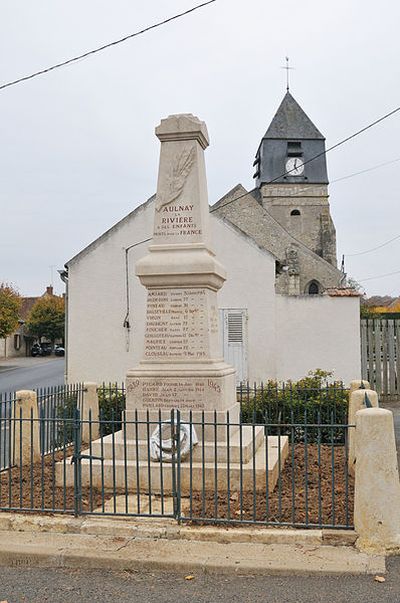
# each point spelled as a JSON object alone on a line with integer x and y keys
{"x": 288, "y": 68}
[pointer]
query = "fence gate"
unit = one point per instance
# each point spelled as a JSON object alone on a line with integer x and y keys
{"x": 380, "y": 356}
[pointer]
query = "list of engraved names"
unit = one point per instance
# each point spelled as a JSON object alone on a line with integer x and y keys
{"x": 176, "y": 324}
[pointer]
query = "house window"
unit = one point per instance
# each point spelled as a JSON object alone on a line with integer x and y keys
{"x": 313, "y": 288}
{"x": 17, "y": 341}
{"x": 294, "y": 149}
{"x": 295, "y": 212}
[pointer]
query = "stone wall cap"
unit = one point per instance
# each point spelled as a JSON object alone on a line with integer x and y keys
{"x": 183, "y": 126}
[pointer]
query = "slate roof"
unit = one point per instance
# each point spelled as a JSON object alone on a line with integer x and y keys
{"x": 290, "y": 121}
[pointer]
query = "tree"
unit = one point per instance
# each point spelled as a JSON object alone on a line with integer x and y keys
{"x": 351, "y": 282}
{"x": 10, "y": 306}
{"x": 46, "y": 319}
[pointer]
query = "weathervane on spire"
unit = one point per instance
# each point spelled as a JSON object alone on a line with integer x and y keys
{"x": 288, "y": 68}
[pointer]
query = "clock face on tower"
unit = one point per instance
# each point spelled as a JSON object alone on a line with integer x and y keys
{"x": 295, "y": 166}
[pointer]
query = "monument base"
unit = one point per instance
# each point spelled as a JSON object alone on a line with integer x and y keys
{"x": 194, "y": 386}
{"x": 247, "y": 460}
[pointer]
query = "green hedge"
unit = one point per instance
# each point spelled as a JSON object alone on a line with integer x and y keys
{"x": 111, "y": 405}
{"x": 290, "y": 408}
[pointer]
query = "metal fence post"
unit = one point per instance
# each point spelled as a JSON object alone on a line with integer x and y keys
{"x": 90, "y": 407}
{"x": 77, "y": 460}
{"x": 175, "y": 463}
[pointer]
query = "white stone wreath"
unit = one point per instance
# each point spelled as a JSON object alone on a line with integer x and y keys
{"x": 161, "y": 445}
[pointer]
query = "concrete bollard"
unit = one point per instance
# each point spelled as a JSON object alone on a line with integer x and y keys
{"x": 377, "y": 485}
{"x": 356, "y": 403}
{"x": 26, "y": 432}
{"x": 90, "y": 409}
{"x": 358, "y": 383}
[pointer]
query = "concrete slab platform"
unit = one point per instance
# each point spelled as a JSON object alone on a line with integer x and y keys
{"x": 212, "y": 475}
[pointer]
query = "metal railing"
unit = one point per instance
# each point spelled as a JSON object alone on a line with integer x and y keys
{"x": 7, "y": 406}
{"x": 55, "y": 404}
{"x": 206, "y": 468}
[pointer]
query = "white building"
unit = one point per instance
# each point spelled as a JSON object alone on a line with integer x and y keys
{"x": 264, "y": 334}
{"x": 284, "y": 310}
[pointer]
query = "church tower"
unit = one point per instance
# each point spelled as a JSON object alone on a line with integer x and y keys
{"x": 291, "y": 175}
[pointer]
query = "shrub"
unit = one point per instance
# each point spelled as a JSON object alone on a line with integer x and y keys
{"x": 111, "y": 405}
{"x": 291, "y": 407}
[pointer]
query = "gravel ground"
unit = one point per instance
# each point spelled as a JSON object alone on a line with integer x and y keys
{"x": 32, "y": 585}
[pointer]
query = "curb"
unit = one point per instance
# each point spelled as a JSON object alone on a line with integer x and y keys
{"x": 169, "y": 529}
{"x": 142, "y": 544}
{"x": 22, "y": 549}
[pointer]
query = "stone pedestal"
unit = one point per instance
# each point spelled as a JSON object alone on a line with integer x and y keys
{"x": 182, "y": 367}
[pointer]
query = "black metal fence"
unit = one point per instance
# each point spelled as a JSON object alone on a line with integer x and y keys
{"x": 198, "y": 467}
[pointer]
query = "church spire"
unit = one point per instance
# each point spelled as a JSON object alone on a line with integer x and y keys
{"x": 290, "y": 121}
{"x": 292, "y": 149}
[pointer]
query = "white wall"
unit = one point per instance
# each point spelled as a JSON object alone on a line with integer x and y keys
{"x": 287, "y": 336}
{"x": 318, "y": 332}
{"x": 99, "y": 347}
{"x": 250, "y": 284}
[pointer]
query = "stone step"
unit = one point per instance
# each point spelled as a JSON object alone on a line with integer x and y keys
{"x": 240, "y": 449}
{"x": 154, "y": 478}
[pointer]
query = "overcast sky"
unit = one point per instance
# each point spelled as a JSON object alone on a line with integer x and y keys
{"x": 77, "y": 146}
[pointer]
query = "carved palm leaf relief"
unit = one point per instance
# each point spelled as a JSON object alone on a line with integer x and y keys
{"x": 175, "y": 181}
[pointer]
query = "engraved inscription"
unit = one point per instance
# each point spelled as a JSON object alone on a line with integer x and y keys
{"x": 176, "y": 325}
{"x": 173, "y": 393}
{"x": 177, "y": 220}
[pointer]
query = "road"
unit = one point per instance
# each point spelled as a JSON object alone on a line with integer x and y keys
{"x": 31, "y": 373}
{"x": 34, "y": 585}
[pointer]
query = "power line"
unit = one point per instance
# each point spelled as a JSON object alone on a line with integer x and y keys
{"x": 350, "y": 255}
{"x": 374, "y": 167}
{"x": 370, "y": 278}
{"x": 335, "y": 146}
{"x": 104, "y": 46}
{"x": 338, "y": 144}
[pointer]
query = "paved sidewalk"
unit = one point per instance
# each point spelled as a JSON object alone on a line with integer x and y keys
{"x": 132, "y": 544}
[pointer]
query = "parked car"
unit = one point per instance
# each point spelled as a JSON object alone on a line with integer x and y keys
{"x": 36, "y": 350}
{"x": 41, "y": 349}
{"x": 47, "y": 348}
{"x": 59, "y": 350}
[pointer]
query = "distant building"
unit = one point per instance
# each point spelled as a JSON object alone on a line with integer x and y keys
{"x": 20, "y": 342}
{"x": 284, "y": 308}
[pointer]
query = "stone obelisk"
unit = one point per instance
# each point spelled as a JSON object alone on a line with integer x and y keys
{"x": 182, "y": 366}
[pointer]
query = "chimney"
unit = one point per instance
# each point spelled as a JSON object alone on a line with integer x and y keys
{"x": 49, "y": 290}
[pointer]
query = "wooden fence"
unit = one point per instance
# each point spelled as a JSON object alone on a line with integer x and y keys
{"x": 380, "y": 356}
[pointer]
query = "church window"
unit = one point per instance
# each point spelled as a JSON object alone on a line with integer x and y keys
{"x": 313, "y": 288}
{"x": 294, "y": 149}
{"x": 295, "y": 212}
